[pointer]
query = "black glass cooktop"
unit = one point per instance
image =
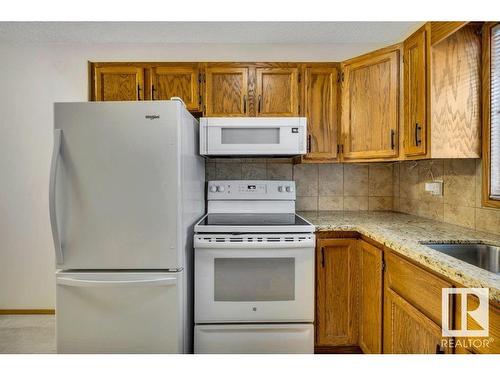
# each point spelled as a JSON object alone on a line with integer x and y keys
{"x": 253, "y": 219}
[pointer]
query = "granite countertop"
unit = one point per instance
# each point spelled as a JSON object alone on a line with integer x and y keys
{"x": 402, "y": 233}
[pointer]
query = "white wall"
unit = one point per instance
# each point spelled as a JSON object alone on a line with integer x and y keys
{"x": 32, "y": 78}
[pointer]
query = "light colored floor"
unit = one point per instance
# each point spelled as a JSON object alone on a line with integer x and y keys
{"x": 27, "y": 334}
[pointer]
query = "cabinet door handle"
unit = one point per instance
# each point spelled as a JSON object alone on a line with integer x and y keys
{"x": 138, "y": 92}
{"x": 417, "y": 137}
{"x": 244, "y": 104}
{"x": 258, "y": 105}
{"x": 439, "y": 350}
{"x": 393, "y": 133}
{"x": 323, "y": 257}
{"x": 153, "y": 92}
{"x": 309, "y": 143}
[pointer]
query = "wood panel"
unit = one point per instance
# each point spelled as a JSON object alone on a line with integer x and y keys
{"x": 320, "y": 101}
{"x": 370, "y": 316}
{"x": 336, "y": 292}
{"x": 455, "y": 95}
{"x": 277, "y": 92}
{"x": 181, "y": 81}
{"x": 226, "y": 91}
{"x": 417, "y": 286}
{"x": 488, "y": 345}
{"x": 415, "y": 93}
{"x": 443, "y": 29}
{"x": 407, "y": 330}
{"x": 370, "y": 105}
{"x": 118, "y": 83}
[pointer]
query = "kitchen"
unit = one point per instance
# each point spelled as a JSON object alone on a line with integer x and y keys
{"x": 352, "y": 191}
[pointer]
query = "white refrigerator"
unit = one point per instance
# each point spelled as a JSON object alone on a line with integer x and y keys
{"x": 126, "y": 188}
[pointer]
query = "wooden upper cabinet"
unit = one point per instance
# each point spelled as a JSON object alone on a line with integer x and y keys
{"x": 320, "y": 107}
{"x": 370, "y": 314}
{"x": 180, "y": 81}
{"x": 455, "y": 92}
{"x": 336, "y": 292}
{"x": 370, "y": 105}
{"x": 118, "y": 83}
{"x": 277, "y": 92}
{"x": 226, "y": 91}
{"x": 415, "y": 93}
{"x": 409, "y": 331}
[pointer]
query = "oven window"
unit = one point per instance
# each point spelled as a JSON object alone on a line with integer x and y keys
{"x": 253, "y": 136}
{"x": 254, "y": 279}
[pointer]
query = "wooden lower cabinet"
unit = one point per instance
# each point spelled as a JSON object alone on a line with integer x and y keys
{"x": 370, "y": 307}
{"x": 479, "y": 345}
{"x": 407, "y": 330}
{"x": 336, "y": 292}
{"x": 370, "y": 299}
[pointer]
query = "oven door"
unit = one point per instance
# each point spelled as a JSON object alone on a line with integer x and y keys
{"x": 254, "y": 278}
{"x": 267, "y": 136}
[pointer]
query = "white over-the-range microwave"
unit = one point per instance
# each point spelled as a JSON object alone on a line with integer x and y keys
{"x": 241, "y": 136}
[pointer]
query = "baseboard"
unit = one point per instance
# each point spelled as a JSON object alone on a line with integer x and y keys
{"x": 27, "y": 311}
{"x": 337, "y": 350}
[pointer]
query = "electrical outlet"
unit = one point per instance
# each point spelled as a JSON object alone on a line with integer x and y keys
{"x": 434, "y": 187}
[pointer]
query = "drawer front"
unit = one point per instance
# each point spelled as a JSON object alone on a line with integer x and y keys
{"x": 419, "y": 287}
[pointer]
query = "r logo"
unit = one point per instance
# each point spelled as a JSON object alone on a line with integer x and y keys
{"x": 480, "y": 314}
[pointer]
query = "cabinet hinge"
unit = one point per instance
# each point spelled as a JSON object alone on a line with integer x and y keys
{"x": 338, "y": 149}
{"x": 338, "y": 77}
{"x": 342, "y": 75}
{"x": 199, "y": 77}
{"x": 204, "y": 78}
{"x": 300, "y": 76}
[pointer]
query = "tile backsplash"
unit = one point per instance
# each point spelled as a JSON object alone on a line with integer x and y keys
{"x": 460, "y": 203}
{"x": 319, "y": 186}
{"x": 396, "y": 186}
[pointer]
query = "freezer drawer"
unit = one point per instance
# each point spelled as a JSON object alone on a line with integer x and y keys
{"x": 254, "y": 339}
{"x": 119, "y": 312}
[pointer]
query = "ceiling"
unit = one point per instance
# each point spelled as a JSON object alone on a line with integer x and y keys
{"x": 331, "y": 33}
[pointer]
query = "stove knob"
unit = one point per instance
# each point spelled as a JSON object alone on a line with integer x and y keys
{"x": 289, "y": 189}
{"x": 220, "y": 189}
{"x": 280, "y": 189}
{"x": 213, "y": 189}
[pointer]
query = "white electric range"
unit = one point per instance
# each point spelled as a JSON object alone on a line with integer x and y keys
{"x": 254, "y": 271}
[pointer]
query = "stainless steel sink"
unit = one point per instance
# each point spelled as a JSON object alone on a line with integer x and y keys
{"x": 480, "y": 255}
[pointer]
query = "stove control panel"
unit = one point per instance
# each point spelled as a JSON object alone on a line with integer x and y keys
{"x": 251, "y": 190}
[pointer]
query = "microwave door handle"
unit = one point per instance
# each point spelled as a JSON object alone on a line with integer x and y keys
{"x": 56, "y": 153}
{"x": 69, "y": 281}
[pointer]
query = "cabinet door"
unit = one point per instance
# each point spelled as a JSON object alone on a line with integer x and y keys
{"x": 277, "y": 92}
{"x": 370, "y": 324}
{"x": 336, "y": 292}
{"x": 226, "y": 91}
{"x": 117, "y": 83}
{"x": 370, "y": 106}
{"x": 407, "y": 330}
{"x": 321, "y": 112}
{"x": 180, "y": 81}
{"x": 415, "y": 94}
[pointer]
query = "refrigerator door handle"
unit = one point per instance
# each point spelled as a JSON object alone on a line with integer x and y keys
{"x": 52, "y": 195}
{"x": 68, "y": 281}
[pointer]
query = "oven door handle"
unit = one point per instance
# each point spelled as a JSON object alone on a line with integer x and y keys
{"x": 200, "y": 243}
